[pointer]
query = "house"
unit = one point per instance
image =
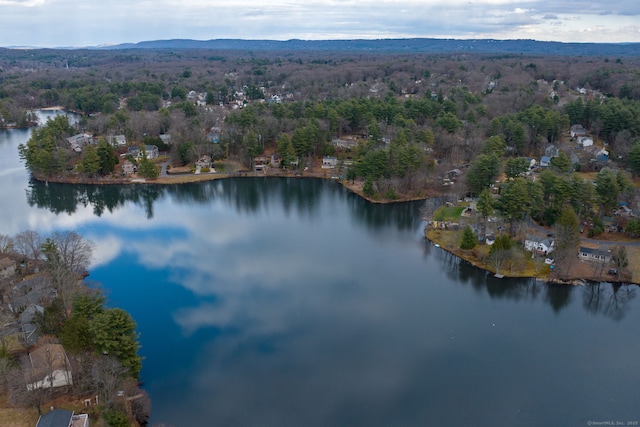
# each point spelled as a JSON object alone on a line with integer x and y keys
{"x": 329, "y": 162}
{"x": 541, "y": 245}
{"x": 276, "y": 160}
{"x": 119, "y": 140}
{"x": 594, "y": 254}
{"x": 47, "y": 367}
{"x": 76, "y": 142}
{"x": 128, "y": 168}
{"x": 577, "y": 130}
{"x": 7, "y": 268}
{"x": 151, "y": 151}
{"x": 545, "y": 161}
{"x": 204, "y": 162}
{"x": 166, "y": 138}
{"x": 551, "y": 151}
{"x": 452, "y": 174}
{"x": 63, "y": 418}
{"x": 260, "y": 163}
{"x": 346, "y": 143}
{"x": 134, "y": 151}
{"x": 585, "y": 141}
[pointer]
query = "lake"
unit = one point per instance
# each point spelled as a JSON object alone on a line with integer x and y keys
{"x": 289, "y": 302}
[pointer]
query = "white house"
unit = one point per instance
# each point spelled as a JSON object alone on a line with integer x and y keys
{"x": 577, "y": 130}
{"x": 119, "y": 140}
{"x": 329, "y": 162}
{"x": 586, "y": 141}
{"x": 541, "y": 245}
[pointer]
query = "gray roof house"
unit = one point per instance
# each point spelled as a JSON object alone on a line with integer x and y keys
{"x": 542, "y": 245}
{"x": 63, "y": 418}
{"x": 594, "y": 254}
{"x": 76, "y": 142}
{"x": 329, "y": 162}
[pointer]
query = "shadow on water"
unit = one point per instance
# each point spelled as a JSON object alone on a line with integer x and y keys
{"x": 305, "y": 197}
{"x": 598, "y": 298}
{"x": 246, "y": 195}
{"x": 67, "y": 198}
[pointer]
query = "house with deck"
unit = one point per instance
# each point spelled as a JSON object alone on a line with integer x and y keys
{"x": 63, "y": 418}
{"x": 540, "y": 245}
{"x": 76, "y": 142}
{"x": 329, "y": 162}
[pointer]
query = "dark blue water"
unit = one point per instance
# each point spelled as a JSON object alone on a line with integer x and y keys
{"x": 293, "y": 302}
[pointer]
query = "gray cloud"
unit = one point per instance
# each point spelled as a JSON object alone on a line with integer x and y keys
{"x": 49, "y": 20}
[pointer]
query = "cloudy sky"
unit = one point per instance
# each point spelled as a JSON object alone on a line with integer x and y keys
{"x": 52, "y": 23}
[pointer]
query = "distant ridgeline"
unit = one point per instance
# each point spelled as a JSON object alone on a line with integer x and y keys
{"x": 417, "y": 45}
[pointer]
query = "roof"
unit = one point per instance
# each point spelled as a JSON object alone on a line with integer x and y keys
{"x": 56, "y": 418}
{"x": 594, "y": 251}
{"x": 49, "y": 367}
{"x": 7, "y": 262}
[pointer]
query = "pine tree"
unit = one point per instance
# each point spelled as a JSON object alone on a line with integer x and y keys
{"x": 469, "y": 239}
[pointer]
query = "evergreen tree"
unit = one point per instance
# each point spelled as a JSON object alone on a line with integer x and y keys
{"x": 286, "y": 150}
{"x": 482, "y": 173}
{"x": 148, "y": 169}
{"x": 469, "y": 239}
{"x": 567, "y": 241}
{"x": 108, "y": 157}
{"x": 90, "y": 161}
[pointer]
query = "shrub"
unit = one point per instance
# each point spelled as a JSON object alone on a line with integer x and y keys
{"x": 391, "y": 194}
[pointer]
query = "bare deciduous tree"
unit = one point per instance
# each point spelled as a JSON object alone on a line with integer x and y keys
{"x": 28, "y": 244}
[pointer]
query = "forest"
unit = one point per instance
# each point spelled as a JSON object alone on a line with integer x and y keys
{"x": 404, "y": 125}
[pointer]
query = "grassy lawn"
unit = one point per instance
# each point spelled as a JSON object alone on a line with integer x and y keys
{"x": 445, "y": 213}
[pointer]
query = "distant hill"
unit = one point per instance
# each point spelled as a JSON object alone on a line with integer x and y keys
{"x": 422, "y": 45}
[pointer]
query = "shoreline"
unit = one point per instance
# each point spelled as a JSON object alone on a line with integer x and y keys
{"x": 187, "y": 178}
{"x": 354, "y": 188}
{"x": 575, "y": 280}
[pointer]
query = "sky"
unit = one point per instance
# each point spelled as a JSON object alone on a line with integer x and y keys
{"x": 72, "y": 23}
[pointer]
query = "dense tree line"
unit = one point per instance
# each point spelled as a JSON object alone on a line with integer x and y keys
{"x": 440, "y": 108}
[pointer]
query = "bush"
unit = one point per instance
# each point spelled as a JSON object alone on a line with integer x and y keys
{"x": 116, "y": 418}
{"x": 596, "y": 230}
{"x": 391, "y": 194}
{"x": 205, "y": 170}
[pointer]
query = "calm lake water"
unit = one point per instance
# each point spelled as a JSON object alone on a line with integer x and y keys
{"x": 291, "y": 302}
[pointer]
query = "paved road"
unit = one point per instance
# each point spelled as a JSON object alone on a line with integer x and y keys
{"x": 163, "y": 168}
